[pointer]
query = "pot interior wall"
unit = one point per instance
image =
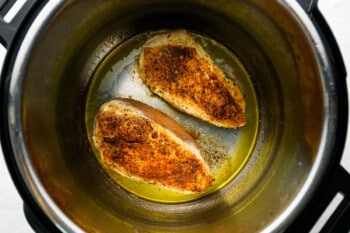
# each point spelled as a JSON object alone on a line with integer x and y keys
{"x": 284, "y": 73}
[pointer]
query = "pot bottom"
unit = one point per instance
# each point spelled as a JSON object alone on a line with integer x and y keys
{"x": 226, "y": 151}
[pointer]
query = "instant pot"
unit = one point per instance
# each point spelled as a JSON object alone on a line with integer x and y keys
{"x": 59, "y": 51}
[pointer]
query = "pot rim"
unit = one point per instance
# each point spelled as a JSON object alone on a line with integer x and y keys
{"x": 330, "y": 122}
{"x": 32, "y": 184}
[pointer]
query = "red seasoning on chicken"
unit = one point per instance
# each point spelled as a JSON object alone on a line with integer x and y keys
{"x": 145, "y": 144}
{"x": 176, "y": 68}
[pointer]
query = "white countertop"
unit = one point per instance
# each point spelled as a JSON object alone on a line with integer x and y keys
{"x": 11, "y": 213}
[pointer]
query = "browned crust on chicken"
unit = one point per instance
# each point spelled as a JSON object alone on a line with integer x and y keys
{"x": 177, "y": 68}
{"x": 145, "y": 144}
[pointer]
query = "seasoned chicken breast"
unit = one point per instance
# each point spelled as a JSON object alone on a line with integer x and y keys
{"x": 176, "y": 68}
{"x": 143, "y": 143}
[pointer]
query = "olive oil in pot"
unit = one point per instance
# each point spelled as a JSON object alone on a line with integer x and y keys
{"x": 226, "y": 151}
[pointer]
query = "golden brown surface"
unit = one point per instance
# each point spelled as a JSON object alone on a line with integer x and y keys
{"x": 177, "y": 69}
{"x": 145, "y": 144}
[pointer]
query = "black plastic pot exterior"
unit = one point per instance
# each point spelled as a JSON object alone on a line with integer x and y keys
{"x": 27, "y": 39}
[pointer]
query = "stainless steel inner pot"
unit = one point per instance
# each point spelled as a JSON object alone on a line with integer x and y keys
{"x": 292, "y": 79}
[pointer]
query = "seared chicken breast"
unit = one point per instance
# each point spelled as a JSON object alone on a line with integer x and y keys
{"x": 145, "y": 144}
{"x": 176, "y": 68}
